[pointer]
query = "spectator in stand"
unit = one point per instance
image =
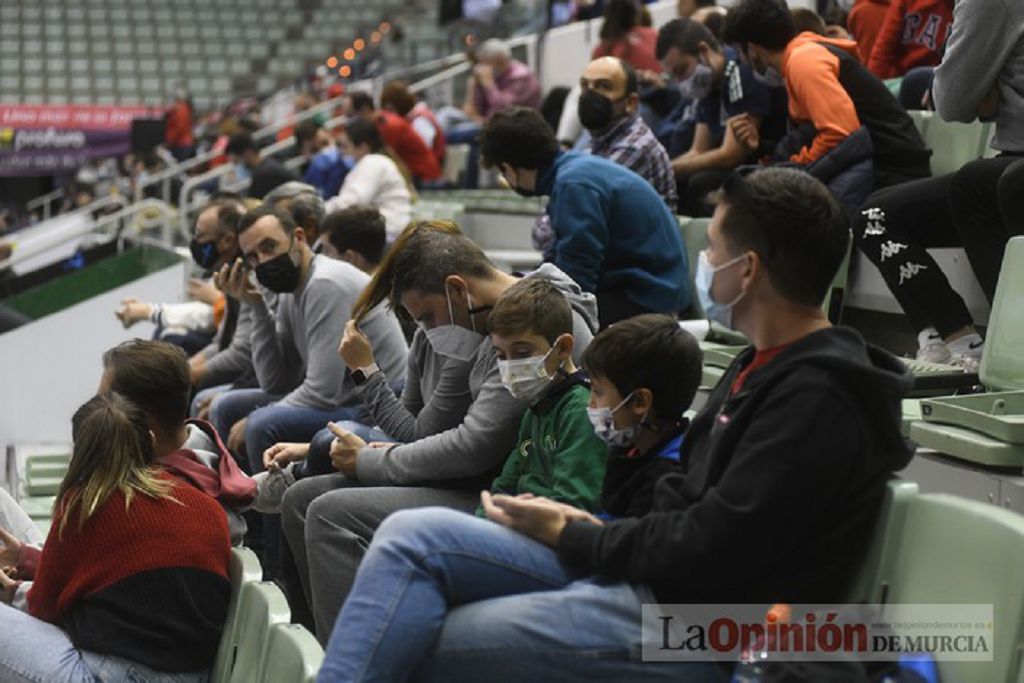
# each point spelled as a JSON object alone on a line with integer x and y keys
{"x": 303, "y": 383}
{"x": 325, "y": 167}
{"x": 614, "y": 235}
{"x": 609, "y": 110}
{"x": 910, "y": 44}
{"x": 622, "y": 36}
{"x": 723, "y": 87}
{"x": 304, "y": 204}
{"x": 685, "y": 9}
{"x": 400, "y": 137}
{"x": 865, "y": 23}
{"x": 376, "y": 179}
{"x": 179, "y": 137}
{"x": 397, "y": 98}
{"x": 132, "y": 582}
{"x": 978, "y": 207}
{"x": 356, "y": 235}
{"x": 266, "y": 173}
{"x": 851, "y": 132}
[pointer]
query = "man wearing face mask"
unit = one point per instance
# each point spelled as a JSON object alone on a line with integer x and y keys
{"x": 265, "y": 173}
{"x": 609, "y": 109}
{"x": 302, "y": 381}
{"x": 449, "y": 287}
{"x": 831, "y": 97}
{"x": 614, "y": 235}
{"x": 724, "y": 88}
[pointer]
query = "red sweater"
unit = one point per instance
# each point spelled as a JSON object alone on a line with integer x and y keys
{"x": 638, "y": 49}
{"x": 913, "y": 34}
{"x": 149, "y": 584}
{"x": 399, "y": 135}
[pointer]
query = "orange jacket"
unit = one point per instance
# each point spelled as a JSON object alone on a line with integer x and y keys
{"x": 815, "y": 93}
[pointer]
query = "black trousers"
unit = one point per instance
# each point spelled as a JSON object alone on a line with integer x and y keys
{"x": 897, "y": 224}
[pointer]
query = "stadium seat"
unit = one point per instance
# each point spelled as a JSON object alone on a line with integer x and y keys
{"x": 262, "y": 606}
{"x": 868, "y": 585}
{"x": 956, "y": 551}
{"x": 952, "y": 144}
{"x": 293, "y": 655}
{"x": 244, "y": 569}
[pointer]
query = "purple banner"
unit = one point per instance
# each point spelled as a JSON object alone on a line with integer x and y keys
{"x": 48, "y": 151}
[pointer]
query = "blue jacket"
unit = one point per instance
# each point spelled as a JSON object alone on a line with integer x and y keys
{"x": 613, "y": 232}
{"x": 326, "y": 172}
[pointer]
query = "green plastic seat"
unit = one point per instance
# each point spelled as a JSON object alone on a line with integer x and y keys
{"x": 292, "y": 655}
{"x": 263, "y": 605}
{"x": 439, "y": 210}
{"x": 957, "y": 551}
{"x": 868, "y": 585}
{"x": 921, "y": 120}
{"x": 953, "y": 144}
{"x": 244, "y": 569}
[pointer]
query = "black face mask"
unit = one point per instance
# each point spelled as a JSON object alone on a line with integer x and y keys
{"x": 204, "y": 253}
{"x": 596, "y": 111}
{"x": 279, "y": 274}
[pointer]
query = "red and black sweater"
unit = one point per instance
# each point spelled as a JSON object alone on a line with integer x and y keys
{"x": 149, "y": 584}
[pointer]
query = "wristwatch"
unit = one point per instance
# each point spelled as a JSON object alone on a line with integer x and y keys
{"x": 360, "y": 375}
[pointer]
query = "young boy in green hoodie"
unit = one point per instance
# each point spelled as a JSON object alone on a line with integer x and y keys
{"x": 558, "y": 455}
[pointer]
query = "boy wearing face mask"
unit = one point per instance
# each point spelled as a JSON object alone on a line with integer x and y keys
{"x": 558, "y": 455}
{"x": 724, "y": 88}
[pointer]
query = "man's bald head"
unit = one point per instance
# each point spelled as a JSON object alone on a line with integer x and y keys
{"x": 611, "y": 77}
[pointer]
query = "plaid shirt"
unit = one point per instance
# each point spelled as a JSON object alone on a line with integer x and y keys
{"x": 629, "y": 143}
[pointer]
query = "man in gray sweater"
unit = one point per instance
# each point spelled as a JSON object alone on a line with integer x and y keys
{"x": 448, "y": 286}
{"x": 303, "y": 384}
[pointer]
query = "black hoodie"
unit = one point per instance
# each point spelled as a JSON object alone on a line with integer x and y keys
{"x": 780, "y": 486}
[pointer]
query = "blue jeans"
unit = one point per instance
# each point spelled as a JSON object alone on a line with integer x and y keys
{"x": 34, "y": 651}
{"x": 519, "y": 613}
{"x": 231, "y": 406}
{"x": 468, "y": 134}
{"x": 319, "y": 459}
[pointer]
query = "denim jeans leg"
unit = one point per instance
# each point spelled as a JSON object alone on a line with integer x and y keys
{"x": 232, "y": 406}
{"x": 421, "y": 562}
{"x": 34, "y": 651}
{"x": 204, "y": 395}
{"x": 591, "y": 629}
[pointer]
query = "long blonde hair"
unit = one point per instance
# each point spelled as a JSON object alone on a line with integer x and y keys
{"x": 382, "y": 281}
{"x": 113, "y": 451}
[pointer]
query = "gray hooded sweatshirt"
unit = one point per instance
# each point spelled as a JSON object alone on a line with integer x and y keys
{"x": 475, "y": 421}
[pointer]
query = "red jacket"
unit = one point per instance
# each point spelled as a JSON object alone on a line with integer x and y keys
{"x": 399, "y": 135}
{"x": 439, "y": 147}
{"x": 913, "y": 34}
{"x": 865, "y": 21}
{"x": 179, "y": 126}
{"x": 638, "y": 49}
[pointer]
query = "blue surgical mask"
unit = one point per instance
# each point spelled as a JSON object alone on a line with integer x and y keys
{"x": 698, "y": 85}
{"x": 704, "y": 280}
{"x": 455, "y": 341}
{"x": 603, "y": 421}
{"x": 242, "y": 172}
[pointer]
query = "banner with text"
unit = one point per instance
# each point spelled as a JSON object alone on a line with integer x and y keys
{"x": 43, "y": 139}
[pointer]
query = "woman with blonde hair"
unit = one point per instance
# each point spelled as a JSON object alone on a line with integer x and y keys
{"x": 132, "y": 581}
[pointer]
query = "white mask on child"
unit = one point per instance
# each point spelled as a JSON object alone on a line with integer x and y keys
{"x": 526, "y": 378}
{"x": 603, "y": 421}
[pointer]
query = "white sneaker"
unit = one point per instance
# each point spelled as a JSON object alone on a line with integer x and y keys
{"x": 270, "y": 488}
{"x": 966, "y": 352}
{"x": 931, "y": 347}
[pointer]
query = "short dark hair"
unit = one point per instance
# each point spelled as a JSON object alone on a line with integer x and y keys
{"x": 531, "y": 305}
{"x": 228, "y": 212}
{"x": 429, "y": 257}
{"x": 359, "y": 228}
{"x": 306, "y": 131}
{"x": 240, "y": 143}
{"x": 632, "y": 84}
{"x": 360, "y": 100}
{"x": 808, "y": 20}
{"x": 685, "y": 35}
{"x": 361, "y": 132}
{"x": 795, "y": 226}
{"x": 767, "y": 23}
{"x": 398, "y": 96}
{"x": 155, "y": 376}
{"x": 650, "y": 352}
{"x": 283, "y": 217}
{"x": 519, "y": 137}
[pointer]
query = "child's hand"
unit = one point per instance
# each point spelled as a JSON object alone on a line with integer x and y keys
{"x": 280, "y": 455}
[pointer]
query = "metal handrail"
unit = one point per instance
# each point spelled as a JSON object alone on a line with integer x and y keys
{"x": 24, "y": 253}
{"x": 45, "y": 201}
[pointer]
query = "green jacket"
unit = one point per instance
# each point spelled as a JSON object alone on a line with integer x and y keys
{"x": 558, "y": 455}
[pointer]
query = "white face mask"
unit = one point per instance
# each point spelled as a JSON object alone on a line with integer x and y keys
{"x": 526, "y": 378}
{"x": 603, "y": 421}
{"x": 455, "y": 341}
{"x": 705, "y": 280}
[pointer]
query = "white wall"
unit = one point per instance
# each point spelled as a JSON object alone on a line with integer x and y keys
{"x": 51, "y": 366}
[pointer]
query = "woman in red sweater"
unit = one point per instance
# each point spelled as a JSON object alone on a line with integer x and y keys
{"x": 132, "y": 582}
{"x": 622, "y": 36}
